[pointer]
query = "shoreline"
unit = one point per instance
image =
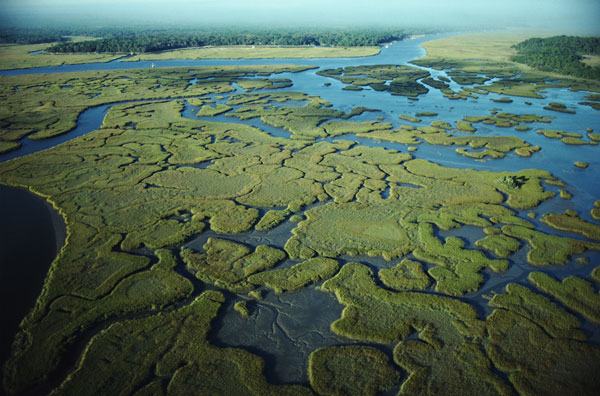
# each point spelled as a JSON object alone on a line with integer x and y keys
{"x": 25, "y": 270}
{"x": 194, "y": 53}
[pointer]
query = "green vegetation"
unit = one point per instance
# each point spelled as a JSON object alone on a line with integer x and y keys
{"x": 581, "y": 164}
{"x": 457, "y": 268}
{"x": 507, "y": 120}
{"x": 298, "y": 276}
{"x": 539, "y": 346}
{"x": 409, "y": 118}
{"x": 564, "y": 194}
{"x": 593, "y": 100}
{"x": 158, "y": 201}
{"x": 169, "y": 351}
{"x": 372, "y": 226}
{"x": 548, "y": 249}
{"x": 228, "y": 264}
{"x": 208, "y": 111}
{"x": 558, "y": 107}
{"x": 351, "y": 370}
{"x": 595, "y": 275}
{"x": 396, "y": 79}
{"x": 465, "y": 126}
{"x": 595, "y": 211}
{"x": 565, "y": 137}
{"x": 242, "y": 308}
{"x": 272, "y": 219}
{"x": 571, "y": 222}
{"x": 495, "y": 146}
{"x": 432, "y": 82}
{"x": 441, "y": 124}
{"x": 562, "y": 54}
{"x": 557, "y": 322}
{"x": 447, "y": 328}
{"x": 149, "y": 42}
{"x": 467, "y": 78}
{"x": 358, "y": 111}
{"x": 258, "y": 52}
{"x": 426, "y": 114}
{"x": 149, "y": 180}
{"x": 407, "y": 275}
{"x": 37, "y": 106}
{"x": 14, "y": 56}
{"x": 255, "y": 294}
{"x": 31, "y": 35}
{"x": 575, "y": 293}
{"x": 501, "y": 245}
{"x": 5, "y": 147}
{"x": 492, "y": 55}
{"x": 502, "y": 100}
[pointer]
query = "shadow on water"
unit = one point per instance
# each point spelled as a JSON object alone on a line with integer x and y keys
{"x": 285, "y": 330}
{"x": 31, "y": 238}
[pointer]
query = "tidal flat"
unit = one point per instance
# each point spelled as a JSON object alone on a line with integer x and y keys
{"x": 250, "y": 220}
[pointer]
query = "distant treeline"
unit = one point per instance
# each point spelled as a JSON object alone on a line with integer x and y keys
{"x": 32, "y": 36}
{"x": 560, "y": 54}
{"x": 151, "y": 42}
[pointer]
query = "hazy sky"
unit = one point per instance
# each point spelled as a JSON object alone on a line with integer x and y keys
{"x": 564, "y": 15}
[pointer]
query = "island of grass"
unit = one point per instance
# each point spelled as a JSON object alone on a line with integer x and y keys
{"x": 257, "y": 52}
{"x": 396, "y": 79}
{"x": 566, "y": 137}
{"x": 465, "y": 126}
{"x": 409, "y": 118}
{"x": 554, "y": 106}
{"x": 502, "y": 100}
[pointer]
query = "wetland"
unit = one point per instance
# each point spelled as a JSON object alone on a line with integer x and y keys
{"x": 431, "y": 229}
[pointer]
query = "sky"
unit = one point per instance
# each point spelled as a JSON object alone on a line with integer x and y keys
{"x": 576, "y": 16}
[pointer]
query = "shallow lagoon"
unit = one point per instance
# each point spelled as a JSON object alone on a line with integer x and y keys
{"x": 555, "y": 157}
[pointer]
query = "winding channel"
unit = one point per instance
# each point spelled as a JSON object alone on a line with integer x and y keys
{"x": 39, "y": 226}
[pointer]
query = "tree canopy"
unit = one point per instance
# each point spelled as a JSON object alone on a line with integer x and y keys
{"x": 151, "y": 42}
{"x": 561, "y": 54}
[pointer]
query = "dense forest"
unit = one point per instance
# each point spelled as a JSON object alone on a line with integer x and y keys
{"x": 560, "y": 54}
{"x": 32, "y": 36}
{"x": 150, "y": 42}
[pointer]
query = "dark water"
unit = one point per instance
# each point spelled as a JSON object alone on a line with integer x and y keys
{"x": 30, "y": 239}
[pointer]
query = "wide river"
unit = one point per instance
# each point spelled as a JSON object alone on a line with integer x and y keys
{"x": 292, "y": 335}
